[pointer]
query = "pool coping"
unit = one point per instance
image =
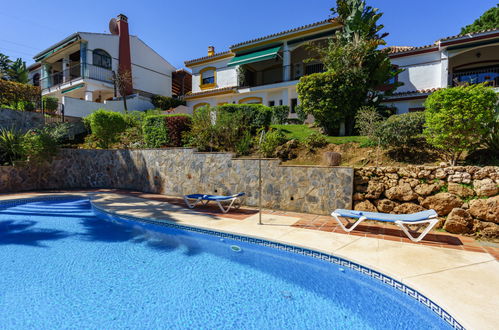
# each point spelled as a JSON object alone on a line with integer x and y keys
{"x": 328, "y": 257}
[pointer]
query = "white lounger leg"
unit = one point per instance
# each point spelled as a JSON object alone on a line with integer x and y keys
{"x": 195, "y": 203}
{"x": 225, "y": 210}
{"x": 353, "y": 225}
{"x": 431, "y": 223}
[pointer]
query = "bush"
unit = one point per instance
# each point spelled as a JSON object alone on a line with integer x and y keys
{"x": 315, "y": 140}
{"x": 202, "y": 130}
{"x": 165, "y": 102}
{"x": 243, "y": 146}
{"x": 279, "y": 114}
{"x": 458, "y": 118}
{"x": 50, "y": 103}
{"x": 106, "y": 126}
{"x": 492, "y": 136}
{"x": 66, "y": 133}
{"x": 401, "y": 131}
{"x": 302, "y": 115}
{"x": 255, "y": 116}
{"x": 178, "y": 125}
{"x": 39, "y": 146}
{"x": 155, "y": 131}
{"x": 272, "y": 140}
{"x": 367, "y": 122}
{"x": 16, "y": 95}
{"x": 11, "y": 146}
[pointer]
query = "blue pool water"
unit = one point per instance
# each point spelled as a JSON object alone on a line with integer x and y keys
{"x": 62, "y": 267}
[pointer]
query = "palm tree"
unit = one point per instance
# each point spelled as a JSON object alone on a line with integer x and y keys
{"x": 4, "y": 66}
{"x": 18, "y": 71}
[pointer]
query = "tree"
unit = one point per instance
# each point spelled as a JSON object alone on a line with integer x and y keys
{"x": 488, "y": 20}
{"x": 4, "y": 66}
{"x": 458, "y": 118}
{"x": 352, "y": 54}
{"x": 18, "y": 71}
{"x": 123, "y": 82}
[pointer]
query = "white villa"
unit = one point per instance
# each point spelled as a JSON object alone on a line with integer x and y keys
{"x": 264, "y": 70}
{"x": 79, "y": 70}
{"x": 472, "y": 58}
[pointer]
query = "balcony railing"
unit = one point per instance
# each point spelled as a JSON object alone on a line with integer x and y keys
{"x": 275, "y": 75}
{"x": 477, "y": 76}
{"x": 74, "y": 73}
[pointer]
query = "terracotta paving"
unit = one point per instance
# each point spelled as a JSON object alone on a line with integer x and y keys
{"x": 324, "y": 223}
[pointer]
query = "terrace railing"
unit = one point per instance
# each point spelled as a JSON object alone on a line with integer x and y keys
{"x": 75, "y": 73}
{"x": 477, "y": 76}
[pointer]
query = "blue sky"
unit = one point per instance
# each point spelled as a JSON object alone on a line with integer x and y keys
{"x": 182, "y": 30}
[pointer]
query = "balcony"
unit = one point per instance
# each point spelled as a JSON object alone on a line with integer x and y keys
{"x": 477, "y": 76}
{"x": 249, "y": 77}
{"x": 74, "y": 74}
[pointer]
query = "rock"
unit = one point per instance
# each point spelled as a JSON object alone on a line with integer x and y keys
{"x": 486, "y": 187}
{"x": 365, "y": 206}
{"x": 443, "y": 203}
{"x": 426, "y": 189}
{"x": 288, "y": 150}
{"x": 459, "y": 221}
{"x": 385, "y": 205}
{"x": 460, "y": 190}
{"x": 359, "y": 196}
{"x": 331, "y": 158}
{"x": 402, "y": 192}
{"x": 485, "y": 209}
{"x": 486, "y": 229}
{"x": 374, "y": 189}
{"x": 407, "y": 208}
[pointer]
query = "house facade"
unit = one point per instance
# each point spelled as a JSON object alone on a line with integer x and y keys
{"x": 264, "y": 70}
{"x": 471, "y": 58}
{"x": 83, "y": 67}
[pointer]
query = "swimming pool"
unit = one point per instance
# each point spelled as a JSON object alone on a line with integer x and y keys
{"x": 61, "y": 266}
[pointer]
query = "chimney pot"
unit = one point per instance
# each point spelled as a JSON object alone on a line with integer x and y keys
{"x": 211, "y": 50}
{"x": 122, "y": 17}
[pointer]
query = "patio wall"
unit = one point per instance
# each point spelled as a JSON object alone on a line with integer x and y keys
{"x": 182, "y": 171}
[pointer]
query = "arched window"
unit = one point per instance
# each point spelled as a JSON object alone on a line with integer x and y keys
{"x": 208, "y": 77}
{"x": 102, "y": 59}
{"x": 36, "y": 79}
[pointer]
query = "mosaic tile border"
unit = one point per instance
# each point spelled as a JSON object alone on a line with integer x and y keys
{"x": 427, "y": 302}
{"x": 289, "y": 248}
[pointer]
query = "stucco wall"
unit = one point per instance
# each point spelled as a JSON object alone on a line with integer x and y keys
{"x": 183, "y": 171}
{"x": 80, "y": 108}
{"x": 226, "y": 76}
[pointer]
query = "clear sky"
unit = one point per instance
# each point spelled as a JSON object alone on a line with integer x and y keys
{"x": 182, "y": 30}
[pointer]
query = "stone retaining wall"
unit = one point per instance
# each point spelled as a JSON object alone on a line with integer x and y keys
{"x": 465, "y": 197}
{"x": 183, "y": 171}
{"x": 23, "y": 120}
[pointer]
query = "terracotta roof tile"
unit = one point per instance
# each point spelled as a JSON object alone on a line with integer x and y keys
{"x": 467, "y": 34}
{"x": 415, "y": 92}
{"x": 212, "y": 91}
{"x": 189, "y": 62}
{"x": 330, "y": 20}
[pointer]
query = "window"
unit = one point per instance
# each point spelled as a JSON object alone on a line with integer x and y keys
{"x": 280, "y": 102}
{"x": 418, "y": 109}
{"x": 102, "y": 59}
{"x": 294, "y": 103}
{"x": 208, "y": 77}
{"x": 271, "y": 103}
{"x": 36, "y": 79}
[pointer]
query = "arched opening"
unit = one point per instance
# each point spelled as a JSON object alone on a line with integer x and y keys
{"x": 251, "y": 100}
{"x": 199, "y": 105}
{"x": 101, "y": 59}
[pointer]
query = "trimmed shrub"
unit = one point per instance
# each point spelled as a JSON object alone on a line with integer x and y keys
{"x": 106, "y": 126}
{"x": 155, "y": 131}
{"x": 279, "y": 114}
{"x": 253, "y": 115}
{"x": 50, "y": 103}
{"x": 177, "y": 126}
{"x": 272, "y": 140}
{"x": 315, "y": 140}
{"x": 401, "y": 131}
{"x": 202, "y": 130}
{"x": 302, "y": 115}
{"x": 165, "y": 102}
{"x": 13, "y": 93}
{"x": 458, "y": 118}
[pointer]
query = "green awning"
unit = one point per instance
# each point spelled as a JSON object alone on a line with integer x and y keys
{"x": 72, "y": 88}
{"x": 258, "y": 56}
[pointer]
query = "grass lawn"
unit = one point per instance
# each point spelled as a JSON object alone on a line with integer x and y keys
{"x": 300, "y": 132}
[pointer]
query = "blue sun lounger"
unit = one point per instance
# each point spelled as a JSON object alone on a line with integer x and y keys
{"x": 235, "y": 200}
{"x": 402, "y": 220}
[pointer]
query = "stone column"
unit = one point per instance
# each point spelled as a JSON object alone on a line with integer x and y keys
{"x": 286, "y": 63}
{"x": 445, "y": 79}
{"x": 66, "y": 76}
{"x": 89, "y": 95}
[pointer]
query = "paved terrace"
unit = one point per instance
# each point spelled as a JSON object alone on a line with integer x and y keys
{"x": 457, "y": 272}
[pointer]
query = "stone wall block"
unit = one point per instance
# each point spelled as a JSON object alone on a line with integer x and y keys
{"x": 442, "y": 203}
{"x": 459, "y": 221}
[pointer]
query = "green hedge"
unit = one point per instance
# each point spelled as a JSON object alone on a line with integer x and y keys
{"x": 165, "y": 102}
{"x": 165, "y": 130}
{"x": 106, "y": 126}
{"x": 254, "y": 115}
{"x": 18, "y": 96}
{"x": 279, "y": 114}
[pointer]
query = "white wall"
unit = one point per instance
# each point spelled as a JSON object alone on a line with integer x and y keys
{"x": 226, "y": 76}
{"x": 403, "y": 106}
{"x": 421, "y": 71}
{"x": 80, "y": 108}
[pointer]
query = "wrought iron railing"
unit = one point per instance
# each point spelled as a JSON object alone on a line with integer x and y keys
{"x": 275, "y": 75}
{"x": 314, "y": 68}
{"x": 74, "y": 73}
{"x": 477, "y": 76}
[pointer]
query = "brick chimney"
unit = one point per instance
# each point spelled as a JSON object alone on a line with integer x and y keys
{"x": 211, "y": 50}
{"x": 125, "y": 58}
